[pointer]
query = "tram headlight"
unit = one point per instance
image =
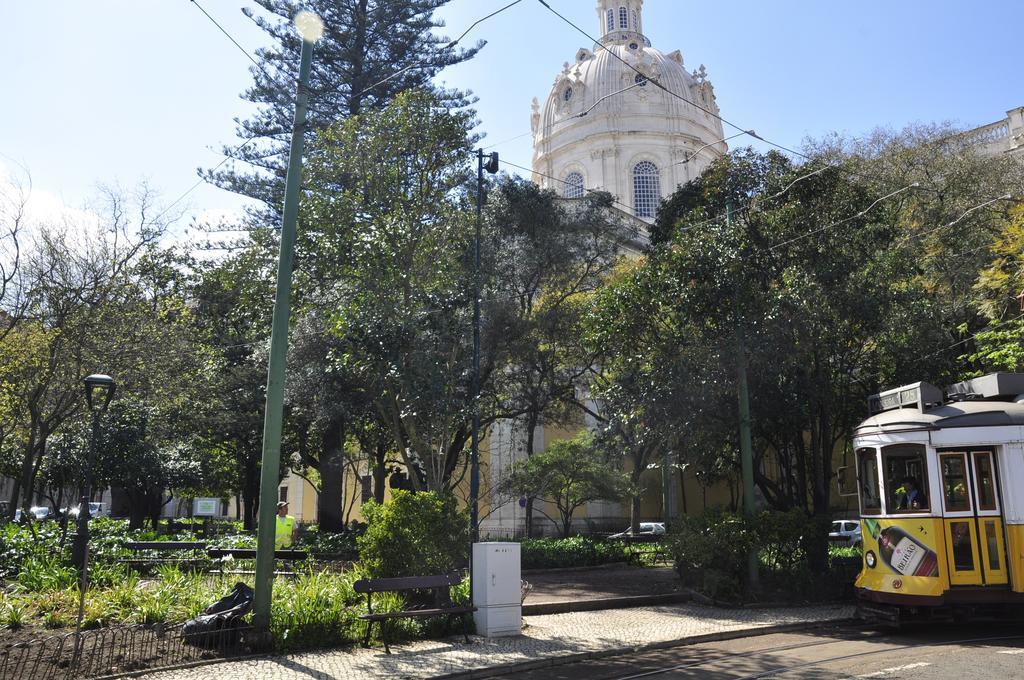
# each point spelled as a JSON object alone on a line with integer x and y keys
{"x": 870, "y": 559}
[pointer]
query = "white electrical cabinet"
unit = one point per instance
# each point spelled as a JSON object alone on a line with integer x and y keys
{"x": 497, "y": 590}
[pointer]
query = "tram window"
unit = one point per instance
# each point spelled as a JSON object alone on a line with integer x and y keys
{"x": 963, "y": 551}
{"x": 954, "y": 482}
{"x": 986, "y": 481}
{"x": 870, "y": 501}
{"x": 992, "y": 545}
{"x": 906, "y": 478}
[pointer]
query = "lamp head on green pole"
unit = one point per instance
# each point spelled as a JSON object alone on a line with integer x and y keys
{"x": 99, "y": 390}
{"x": 309, "y": 25}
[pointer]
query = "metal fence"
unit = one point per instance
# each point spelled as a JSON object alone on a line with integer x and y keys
{"x": 108, "y": 652}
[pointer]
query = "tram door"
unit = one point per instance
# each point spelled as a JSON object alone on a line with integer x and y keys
{"x": 975, "y": 549}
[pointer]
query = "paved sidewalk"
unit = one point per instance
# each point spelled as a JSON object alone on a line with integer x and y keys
{"x": 545, "y": 639}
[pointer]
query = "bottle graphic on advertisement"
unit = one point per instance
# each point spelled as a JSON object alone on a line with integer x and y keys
{"x": 902, "y": 552}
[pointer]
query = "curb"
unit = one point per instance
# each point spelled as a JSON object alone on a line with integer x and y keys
{"x": 568, "y": 606}
{"x": 649, "y": 647}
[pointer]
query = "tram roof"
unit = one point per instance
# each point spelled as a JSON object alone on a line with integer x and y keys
{"x": 957, "y": 414}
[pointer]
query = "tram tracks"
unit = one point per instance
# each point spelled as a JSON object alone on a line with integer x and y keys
{"x": 783, "y": 669}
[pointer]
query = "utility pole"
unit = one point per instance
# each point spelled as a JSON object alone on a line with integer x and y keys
{"x": 474, "y": 453}
{"x": 272, "y": 423}
{"x": 746, "y": 447}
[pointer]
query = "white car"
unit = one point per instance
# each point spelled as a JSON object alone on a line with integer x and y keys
{"x": 41, "y": 512}
{"x": 846, "y": 532}
{"x": 95, "y": 510}
{"x": 649, "y": 529}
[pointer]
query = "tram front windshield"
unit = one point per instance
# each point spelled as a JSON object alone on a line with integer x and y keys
{"x": 902, "y": 480}
{"x": 905, "y": 478}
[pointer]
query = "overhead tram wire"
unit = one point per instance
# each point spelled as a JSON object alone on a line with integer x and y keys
{"x": 657, "y": 84}
{"x": 237, "y": 44}
{"x": 911, "y": 237}
{"x": 567, "y": 183}
{"x": 450, "y": 46}
{"x": 230, "y": 156}
{"x": 860, "y": 214}
{"x": 680, "y": 97}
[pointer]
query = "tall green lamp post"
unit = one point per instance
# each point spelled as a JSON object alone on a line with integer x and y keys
{"x": 99, "y": 390}
{"x": 311, "y": 28}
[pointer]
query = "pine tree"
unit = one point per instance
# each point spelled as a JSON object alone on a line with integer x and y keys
{"x": 365, "y": 42}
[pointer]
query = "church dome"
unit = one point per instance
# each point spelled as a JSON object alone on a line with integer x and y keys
{"x": 605, "y": 126}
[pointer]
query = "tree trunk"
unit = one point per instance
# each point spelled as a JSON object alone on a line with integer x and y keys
{"x": 566, "y": 524}
{"x": 531, "y": 427}
{"x": 634, "y": 514}
{"x": 682, "y": 490}
{"x": 138, "y": 510}
{"x": 154, "y": 505}
{"x": 380, "y": 456}
{"x": 250, "y": 497}
{"x": 332, "y": 469}
{"x": 23, "y": 482}
{"x": 529, "y": 517}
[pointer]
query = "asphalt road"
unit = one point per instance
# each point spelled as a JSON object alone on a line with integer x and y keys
{"x": 959, "y": 652}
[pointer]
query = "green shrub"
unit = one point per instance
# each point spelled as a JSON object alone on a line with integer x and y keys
{"x": 317, "y": 609}
{"x": 19, "y": 543}
{"x": 414, "y": 534}
{"x": 710, "y": 551}
{"x": 327, "y": 543}
{"x": 13, "y": 615}
{"x": 44, "y": 574}
{"x": 560, "y": 553}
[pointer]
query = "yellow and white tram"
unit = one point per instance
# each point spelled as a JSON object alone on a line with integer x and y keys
{"x": 941, "y": 487}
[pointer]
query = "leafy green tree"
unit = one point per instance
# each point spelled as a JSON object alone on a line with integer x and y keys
{"x": 414, "y": 534}
{"x": 81, "y": 286}
{"x": 401, "y": 303}
{"x": 371, "y": 51}
{"x": 568, "y": 474}
{"x": 232, "y": 321}
{"x": 1000, "y": 347}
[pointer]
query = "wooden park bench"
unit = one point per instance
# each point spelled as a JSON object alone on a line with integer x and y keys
{"x": 181, "y": 552}
{"x": 440, "y": 602}
{"x": 219, "y": 555}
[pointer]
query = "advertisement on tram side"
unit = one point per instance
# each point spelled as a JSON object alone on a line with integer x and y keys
{"x": 903, "y": 556}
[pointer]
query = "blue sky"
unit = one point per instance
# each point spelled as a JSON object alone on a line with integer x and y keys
{"x": 117, "y": 91}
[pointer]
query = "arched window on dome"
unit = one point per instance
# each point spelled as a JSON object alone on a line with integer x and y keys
{"x": 646, "y": 189}
{"x": 636, "y": 22}
{"x": 623, "y": 18}
{"x": 611, "y": 20}
{"x": 573, "y": 185}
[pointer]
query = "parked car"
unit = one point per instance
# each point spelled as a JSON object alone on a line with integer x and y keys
{"x": 95, "y": 510}
{"x": 41, "y": 512}
{"x": 846, "y": 532}
{"x": 647, "y": 529}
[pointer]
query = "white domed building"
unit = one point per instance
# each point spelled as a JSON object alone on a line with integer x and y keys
{"x": 606, "y": 126}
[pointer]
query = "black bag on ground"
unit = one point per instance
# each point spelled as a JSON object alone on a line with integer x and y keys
{"x": 218, "y": 626}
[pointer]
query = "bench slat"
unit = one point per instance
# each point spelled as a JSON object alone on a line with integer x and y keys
{"x": 390, "y": 585}
{"x": 165, "y": 545}
{"x": 417, "y": 613}
{"x": 250, "y": 554}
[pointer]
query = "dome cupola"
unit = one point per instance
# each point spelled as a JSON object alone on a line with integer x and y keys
{"x": 605, "y": 125}
{"x": 621, "y": 21}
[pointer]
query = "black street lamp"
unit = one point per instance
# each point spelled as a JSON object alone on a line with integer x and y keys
{"x": 99, "y": 390}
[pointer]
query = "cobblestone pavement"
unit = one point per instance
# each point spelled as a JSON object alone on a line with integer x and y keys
{"x": 544, "y": 637}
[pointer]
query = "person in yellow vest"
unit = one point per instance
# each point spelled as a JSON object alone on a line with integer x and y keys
{"x": 284, "y": 536}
